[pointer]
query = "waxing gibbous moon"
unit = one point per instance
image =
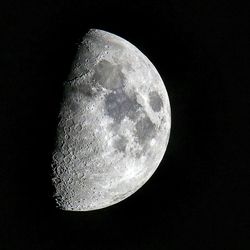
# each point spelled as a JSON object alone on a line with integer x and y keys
{"x": 114, "y": 124}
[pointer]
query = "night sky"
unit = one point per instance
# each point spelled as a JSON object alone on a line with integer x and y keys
{"x": 199, "y": 197}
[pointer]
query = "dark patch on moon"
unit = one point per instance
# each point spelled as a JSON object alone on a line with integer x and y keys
{"x": 116, "y": 46}
{"x": 120, "y": 143}
{"x": 155, "y": 101}
{"x": 85, "y": 90}
{"x": 145, "y": 129}
{"x": 118, "y": 105}
{"x": 109, "y": 75}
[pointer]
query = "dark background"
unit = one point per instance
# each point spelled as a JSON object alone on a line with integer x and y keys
{"x": 199, "y": 196}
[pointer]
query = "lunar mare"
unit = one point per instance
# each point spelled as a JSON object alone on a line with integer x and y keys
{"x": 114, "y": 124}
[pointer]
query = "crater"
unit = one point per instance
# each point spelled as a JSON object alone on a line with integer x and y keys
{"x": 78, "y": 68}
{"x": 72, "y": 104}
{"x": 118, "y": 105}
{"x": 155, "y": 101}
{"x": 109, "y": 75}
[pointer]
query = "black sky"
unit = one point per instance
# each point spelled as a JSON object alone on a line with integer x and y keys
{"x": 199, "y": 196}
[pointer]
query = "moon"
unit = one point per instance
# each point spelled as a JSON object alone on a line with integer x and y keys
{"x": 114, "y": 124}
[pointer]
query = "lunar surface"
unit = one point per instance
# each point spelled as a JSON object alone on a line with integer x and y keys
{"x": 114, "y": 124}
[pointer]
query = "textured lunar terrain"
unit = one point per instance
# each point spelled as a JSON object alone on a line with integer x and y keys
{"x": 114, "y": 124}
